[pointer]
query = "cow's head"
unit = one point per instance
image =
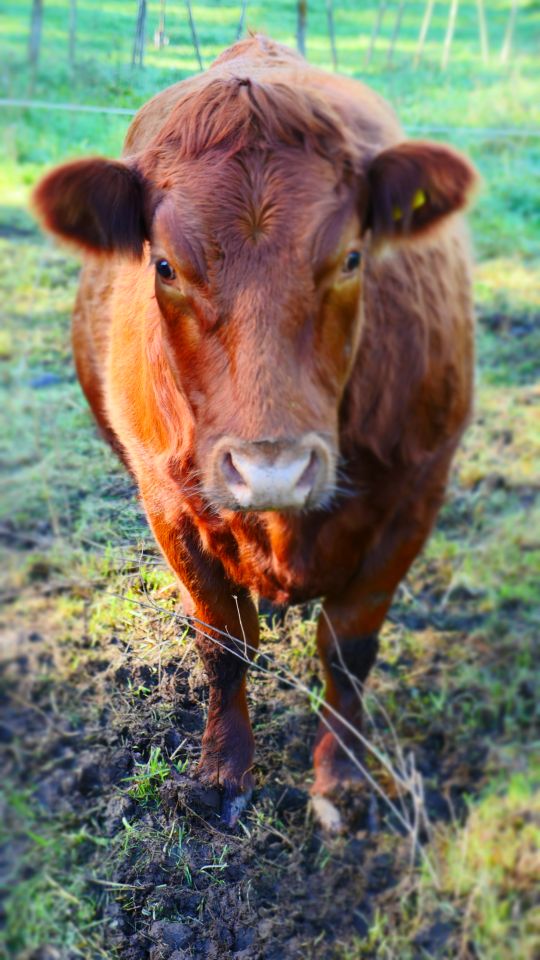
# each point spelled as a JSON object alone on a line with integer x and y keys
{"x": 255, "y": 216}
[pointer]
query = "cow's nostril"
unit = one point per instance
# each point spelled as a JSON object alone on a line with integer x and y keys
{"x": 309, "y": 476}
{"x": 230, "y": 472}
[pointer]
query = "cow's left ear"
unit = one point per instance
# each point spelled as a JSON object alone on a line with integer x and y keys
{"x": 98, "y": 204}
{"x": 413, "y": 186}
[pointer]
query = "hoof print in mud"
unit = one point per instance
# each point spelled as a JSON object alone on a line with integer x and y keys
{"x": 171, "y": 934}
{"x": 190, "y": 796}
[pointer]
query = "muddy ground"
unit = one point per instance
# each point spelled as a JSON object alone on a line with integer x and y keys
{"x": 168, "y": 880}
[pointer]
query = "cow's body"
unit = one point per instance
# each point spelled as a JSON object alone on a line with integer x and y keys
{"x": 384, "y": 394}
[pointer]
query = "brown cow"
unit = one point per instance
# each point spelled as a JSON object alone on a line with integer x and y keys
{"x": 274, "y": 329}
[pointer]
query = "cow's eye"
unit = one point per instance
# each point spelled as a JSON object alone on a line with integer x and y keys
{"x": 165, "y": 270}
{"x": 351, "y": 262}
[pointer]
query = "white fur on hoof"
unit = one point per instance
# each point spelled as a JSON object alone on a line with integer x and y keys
{"x": 327, "y": 814}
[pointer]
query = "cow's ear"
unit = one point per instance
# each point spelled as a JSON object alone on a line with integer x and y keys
{"x": 97, "y": 204}
{"x": 413, "y": 186}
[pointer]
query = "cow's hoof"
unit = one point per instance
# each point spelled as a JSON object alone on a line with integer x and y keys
{"x": 327, "y": 814}
{"x": 234, "y": 801}
{"x": 204, "y": 797}
{"x": 347, "y": 805}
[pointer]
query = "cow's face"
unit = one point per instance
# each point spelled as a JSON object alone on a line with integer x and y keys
{"x": 259, "y": 284}
{"x": 258, "y": 263}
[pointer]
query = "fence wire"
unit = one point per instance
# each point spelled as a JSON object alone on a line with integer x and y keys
{"x": 487, "y": 133}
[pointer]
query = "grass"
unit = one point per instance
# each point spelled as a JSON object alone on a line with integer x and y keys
{"x": 487, "y": 870}
{"x": 52, "y": 889}
{"x": 490, "y": 867}
{"x": 149, "y": 775}
{"x": 506, "y": 220}
{"x": 102, "y": 673}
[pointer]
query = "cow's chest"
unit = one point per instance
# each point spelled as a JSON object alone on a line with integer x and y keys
{"x": 291, "y": 559}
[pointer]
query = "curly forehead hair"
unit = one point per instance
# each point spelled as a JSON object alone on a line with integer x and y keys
{"x": 234, "y": 114}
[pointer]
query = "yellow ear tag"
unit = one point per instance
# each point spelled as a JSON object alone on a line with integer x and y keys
{"x": 418, "y": 200}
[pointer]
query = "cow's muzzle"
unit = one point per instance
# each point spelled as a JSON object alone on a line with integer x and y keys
{"x": 273, "y": 474}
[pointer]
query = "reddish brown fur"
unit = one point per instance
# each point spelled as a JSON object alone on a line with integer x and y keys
{"x": 99, "y": 205}
{"x": 254, "y": 180}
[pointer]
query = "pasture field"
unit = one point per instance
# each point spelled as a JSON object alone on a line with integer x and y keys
{"x": 107, "y": 849}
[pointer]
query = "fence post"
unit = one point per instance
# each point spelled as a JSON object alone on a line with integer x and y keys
{"x": 242, "y": 20}
{"x": 395, "y": 32}
{"x": 301, "y": 26}
{"x": 72, "y": 32}
{"x": 159, "y": 33}
{"x": 376, "y": 30}
{"x": 331, "y": 32}
{"x": 449, "y": 34}
{"x": 34, "y": 41}
{"x": 138, "y": 40}
{"x": 194, "y": 36}
{"x": 423, "y": 32}
{"x": 509, "y": 35}
{"x": 482, "y": 28}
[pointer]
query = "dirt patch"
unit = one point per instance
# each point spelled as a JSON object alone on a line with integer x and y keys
{"x": 106, "y": 752}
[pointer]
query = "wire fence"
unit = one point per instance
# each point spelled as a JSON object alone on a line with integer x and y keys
{"x": 487, "y": 133}
{"x": 158, "y": 41}
{"x": 492, "y": 30}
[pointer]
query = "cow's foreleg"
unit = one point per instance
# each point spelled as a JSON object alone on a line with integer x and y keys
{"x": 227, "y": 634}
{"x": 346, "y": 662}
{"x": 226, "y": 646}
{"x": 347, "y": 641}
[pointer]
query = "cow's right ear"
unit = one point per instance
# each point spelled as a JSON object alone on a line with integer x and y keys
{"x": 97, "y": 204}
{"x": 413, "y": 187}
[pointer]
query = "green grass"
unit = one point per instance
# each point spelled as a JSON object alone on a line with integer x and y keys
{"x": 148, "y": 776}
{"x": 486, "y": 871}
{"x": 52, "y": 890}
{"x": 458, "y": 655}
{"x": 506, "y": 222}
{"x": 489, "y": 867}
